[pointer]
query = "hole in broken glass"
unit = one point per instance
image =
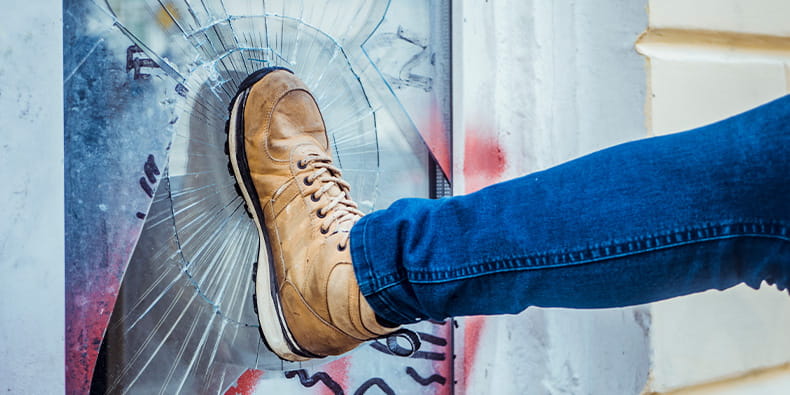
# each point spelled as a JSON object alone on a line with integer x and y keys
{"x": 217, "y": 240}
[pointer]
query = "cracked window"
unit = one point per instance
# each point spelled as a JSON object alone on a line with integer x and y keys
{"x": 183, "y": 320}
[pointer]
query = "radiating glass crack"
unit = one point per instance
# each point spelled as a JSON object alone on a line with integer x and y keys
{"x": 184, "y": 321}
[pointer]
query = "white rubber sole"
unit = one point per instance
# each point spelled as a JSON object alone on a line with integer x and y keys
{"x": 273, "y": 326}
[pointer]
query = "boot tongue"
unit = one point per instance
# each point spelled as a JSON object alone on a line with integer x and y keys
{"x": 295, "y": 121}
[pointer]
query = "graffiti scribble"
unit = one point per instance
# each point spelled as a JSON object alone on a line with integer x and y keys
{"x": 136, "y": 60}
{"x": 151, "y": 169}
{"x": 433, "y": 339}
{"x": 430, "y": 355}
{"x": 434, "y": 378}
{"x": 309, "y": 381}
{"x": 377, "y": 381}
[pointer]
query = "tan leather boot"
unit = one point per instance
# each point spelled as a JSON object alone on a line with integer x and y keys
{"x": 307, "y": 298}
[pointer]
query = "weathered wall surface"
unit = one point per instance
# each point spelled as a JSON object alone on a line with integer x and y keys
{"x": 539, "y": 83}
{"x": 31, "y": 199}
{"x": 546, "y": 82}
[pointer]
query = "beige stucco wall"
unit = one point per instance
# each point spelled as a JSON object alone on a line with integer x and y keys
{"x": 708, "y": 60}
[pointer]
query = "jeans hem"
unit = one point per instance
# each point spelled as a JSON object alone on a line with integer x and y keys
{"x": 385, "y": 307}
{"x": 371, "y": 283}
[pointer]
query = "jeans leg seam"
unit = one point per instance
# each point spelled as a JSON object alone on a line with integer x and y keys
{"x": 613, "y": 251}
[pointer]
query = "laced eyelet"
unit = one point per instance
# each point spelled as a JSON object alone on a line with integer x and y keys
{"x": 307, "y": 181}
{"x": 320, "y": 214}
{"x": 341, "y": 248}
{"x": 301, "y": 164}
{"x": 314, "y": 198}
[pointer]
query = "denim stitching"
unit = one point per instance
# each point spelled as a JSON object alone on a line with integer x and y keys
{"x": 365, "y": 265}
{"x": 383, "y": 306}
{"x": 387, "y": 301}
{"x": 595, "y": 253}
{"x": 374, "y": 282}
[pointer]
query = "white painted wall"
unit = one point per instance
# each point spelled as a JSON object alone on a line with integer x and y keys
{"x": 31, "y": 199}
{"x": 548, "y": 81}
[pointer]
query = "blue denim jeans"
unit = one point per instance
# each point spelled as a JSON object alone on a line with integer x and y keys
{"x": 639, "y": 222}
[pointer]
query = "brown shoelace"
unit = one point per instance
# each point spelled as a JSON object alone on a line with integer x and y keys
{"x": 340, "y": 210}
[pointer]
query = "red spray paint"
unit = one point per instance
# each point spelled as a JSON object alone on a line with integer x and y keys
{"x": 246, "y": 383}
{"x": 484, "y": 160}
{"x": 473, "y": 327}
{"x": 338, "y": 370}
{"x": 484, "y": 164}
{"x": 437, "y": 137}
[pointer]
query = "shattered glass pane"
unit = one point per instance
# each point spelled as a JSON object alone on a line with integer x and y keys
{"x": 418, "y": 31}
{"x": 184, "y": 319}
